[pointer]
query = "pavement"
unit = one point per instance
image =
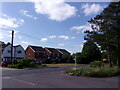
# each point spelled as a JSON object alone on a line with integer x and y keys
{"x": 52, "y": 77}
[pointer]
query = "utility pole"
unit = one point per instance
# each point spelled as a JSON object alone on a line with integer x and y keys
{"x": 12, "y": 45}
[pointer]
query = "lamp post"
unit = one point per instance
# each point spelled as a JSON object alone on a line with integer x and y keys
{"x": 75, "y": 63}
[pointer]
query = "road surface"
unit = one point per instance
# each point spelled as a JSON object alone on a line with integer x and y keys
{"x": 52, "y": 78}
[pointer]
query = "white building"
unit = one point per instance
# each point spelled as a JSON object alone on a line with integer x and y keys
{"x": 18, "y": 53}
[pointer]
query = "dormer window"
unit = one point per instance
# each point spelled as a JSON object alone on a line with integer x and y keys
{"x": 19, "y": 52}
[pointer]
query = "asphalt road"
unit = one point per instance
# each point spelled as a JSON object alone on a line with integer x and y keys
{"x": 52, "y": 78}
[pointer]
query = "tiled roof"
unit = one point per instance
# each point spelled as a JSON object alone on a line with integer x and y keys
{"x": 36, "y": 48}
{"x": 63, "y": 51}
{"x": 53, "y": 50}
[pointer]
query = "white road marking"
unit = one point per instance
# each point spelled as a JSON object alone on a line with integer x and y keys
{"x": 6, "y": 77}
{"x": 19, "y": 80}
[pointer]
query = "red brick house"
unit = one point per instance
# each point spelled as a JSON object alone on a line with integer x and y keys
{"x": 53, "y": 54}
{"x": 36, "y": 53}
{"x": 56, "y": 54}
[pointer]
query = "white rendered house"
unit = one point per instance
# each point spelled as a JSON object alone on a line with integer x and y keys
{"x": 18, "y": 53}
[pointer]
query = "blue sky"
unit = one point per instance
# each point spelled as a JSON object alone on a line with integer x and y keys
{"x": 56, "y": 24}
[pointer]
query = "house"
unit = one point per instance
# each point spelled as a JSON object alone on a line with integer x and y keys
{"x": 36, "y": 53}
{"x": 53, "y": 54}
{"x": 63, "y": 51}
{"x": 18, "y": 53}
{"x": 2, "y": 46}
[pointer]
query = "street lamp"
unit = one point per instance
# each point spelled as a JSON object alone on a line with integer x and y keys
{"x": 75, "y": 63}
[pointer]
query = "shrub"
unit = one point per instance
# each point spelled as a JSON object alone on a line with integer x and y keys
{"x": 94, "y": 72}
{"x": 25, "y": 62}
{"x": 32, "y": 64}
{"x": 12, "y": 66}
{"x": 19, "y": 66}
{"x": 96, "y": 64}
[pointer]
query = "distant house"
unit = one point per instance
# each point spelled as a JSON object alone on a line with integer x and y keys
{"x": 2, "y": 46}
{"x": 53, "y": 54}
{"x": 18, "y": 53}
{"x": 63, "y": 51}
{"x": 36, "y": 53}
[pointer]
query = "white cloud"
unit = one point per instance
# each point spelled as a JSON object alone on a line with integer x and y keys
{"x": 73, "y": 37}
{"x": 81, "y": 45}
{"x": 84, "y": 41}
{"x": 25, "y": 42}
{"x": 82, "y": 28}
{"x": 61, "y": 44}
{"x": 53, "y": 36}
{"x": 43, "y": 39}
{"x": 1, "y": 35}
{"x": 8, "y": 22}
{"x": 56, "y": 10}
{"x": 64, "y": 37}
{"x": 19, "y": 37}
{"x": 61, "y": 36}
{"x": 89, "y": 9}
{"x": 24, "y": 12}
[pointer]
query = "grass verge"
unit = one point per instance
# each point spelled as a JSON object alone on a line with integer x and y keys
{"x": 94, "y": 72}
{"x": 24, "y": 67}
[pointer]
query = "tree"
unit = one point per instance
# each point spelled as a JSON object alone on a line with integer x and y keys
{"x": 90, "y": 52}
{"x": 66, "y": 58}
{"x": 106, "y": 31}
{"x": 79, "y": 59}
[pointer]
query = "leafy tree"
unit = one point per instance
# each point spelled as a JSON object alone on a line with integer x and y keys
{"x": 90, "y": 52}
{"x": 106, "y": 31}
{"x": 78, "y": 58}
{"x": 65, "y": 58}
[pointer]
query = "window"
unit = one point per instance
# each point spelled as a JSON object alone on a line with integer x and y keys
{"x": 8, "y": 51}
{"x": 19, "y": 52}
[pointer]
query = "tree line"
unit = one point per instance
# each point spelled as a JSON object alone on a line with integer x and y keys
{"x": 105, "y": 33}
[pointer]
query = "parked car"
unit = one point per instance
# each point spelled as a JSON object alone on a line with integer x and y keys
{"x": 4, "y": 64}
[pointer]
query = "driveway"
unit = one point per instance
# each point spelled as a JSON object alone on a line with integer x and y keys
{"x": 52, "y": 78}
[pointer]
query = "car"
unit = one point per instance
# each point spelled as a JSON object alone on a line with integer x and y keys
{"x": 4, "y": 64}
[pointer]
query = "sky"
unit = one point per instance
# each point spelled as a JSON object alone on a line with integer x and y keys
{"x": 48, "y": 23}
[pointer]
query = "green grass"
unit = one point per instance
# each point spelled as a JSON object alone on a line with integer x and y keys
{"x": 94, "y": 72}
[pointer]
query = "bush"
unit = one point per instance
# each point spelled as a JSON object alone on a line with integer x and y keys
{"x": 12, "y": 66}
{"x": 94, "y": 72}
{"x": 19, "y": 66}
{"x": 96, "y": 64}
{"x": 25, "y": 62}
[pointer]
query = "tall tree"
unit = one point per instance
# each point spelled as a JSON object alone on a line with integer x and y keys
{"x": 90, "y": 52}
{"x": 106, "y": 30}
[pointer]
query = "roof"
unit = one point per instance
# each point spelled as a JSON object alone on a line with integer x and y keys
{"x": 37, "y": 48}
{"x": 53, "y": 50}
{"x": 17, "y": 46}
{"x": 63, "y": 51}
